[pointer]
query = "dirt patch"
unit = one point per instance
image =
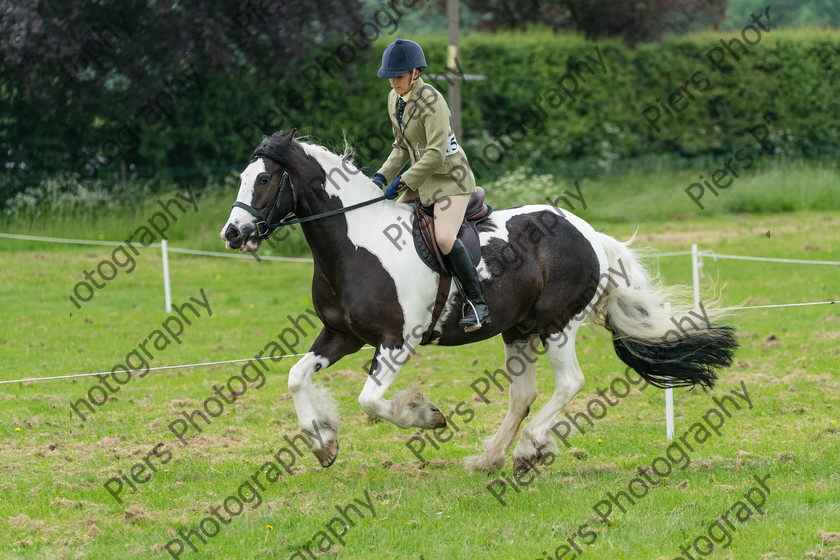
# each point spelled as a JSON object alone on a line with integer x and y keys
{"x": 135, "y": 514}
{"x": 23, "y": 522}
{"x": 68, "y": 504}
{"x": 827, "y": 537}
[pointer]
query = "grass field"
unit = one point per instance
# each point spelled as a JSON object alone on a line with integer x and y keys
{"x": 54, "y": 503}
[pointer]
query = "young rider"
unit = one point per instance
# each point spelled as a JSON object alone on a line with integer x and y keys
{"x": 423, "y": 134}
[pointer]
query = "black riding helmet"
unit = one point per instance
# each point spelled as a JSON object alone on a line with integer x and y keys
{"x": 401, "y": 56}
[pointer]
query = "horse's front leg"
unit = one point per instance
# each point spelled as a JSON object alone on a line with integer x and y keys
{"x": 317, "y": 411}
{"x": 409, "y": 408}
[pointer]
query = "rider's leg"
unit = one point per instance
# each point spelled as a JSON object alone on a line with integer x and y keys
{"x": 449, "y": 215}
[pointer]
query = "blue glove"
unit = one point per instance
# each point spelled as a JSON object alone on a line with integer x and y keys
{"x": 393, "y": 190}
{"x": 379, "y": 180}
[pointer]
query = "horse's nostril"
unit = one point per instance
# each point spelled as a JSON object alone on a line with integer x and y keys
{"x": 232, "y": 233}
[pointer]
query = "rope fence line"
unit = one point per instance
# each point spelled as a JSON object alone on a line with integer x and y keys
{"x": 222, "y": 362}
{"x": 672, "y": 254}
{"x": 779, "y": 305}
{"x": 159, "y": 368}
{"x": 238, "y": 256}
{"x": 63, "y": 240}
{"x": 707, "y": 253}
{"x": 717, "y": 256}
{"x": 157, "y": 245}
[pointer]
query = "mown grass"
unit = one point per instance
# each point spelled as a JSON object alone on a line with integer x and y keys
{"x": 54, "y": 504}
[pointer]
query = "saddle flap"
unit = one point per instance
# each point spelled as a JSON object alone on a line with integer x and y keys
{"x": 426, "y": 243}
{"x": 476, "y": 208}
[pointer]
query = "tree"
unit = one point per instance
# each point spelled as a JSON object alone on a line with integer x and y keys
{"x": 84, "y": 46}
{"x": 78, "y": 77}
{"x": 786, "y": 13}
{"x": 634, "y": 20}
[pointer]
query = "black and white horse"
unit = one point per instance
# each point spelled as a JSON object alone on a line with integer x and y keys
{"x": 543, "y": 272}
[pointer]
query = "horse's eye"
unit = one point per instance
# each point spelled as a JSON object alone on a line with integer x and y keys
{"x": 263, "y": 180}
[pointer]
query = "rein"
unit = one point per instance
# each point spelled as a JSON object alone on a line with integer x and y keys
{"x": 266, "y": 226}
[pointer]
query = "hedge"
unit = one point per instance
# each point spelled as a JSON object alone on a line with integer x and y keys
{"x": 519, "y": 116}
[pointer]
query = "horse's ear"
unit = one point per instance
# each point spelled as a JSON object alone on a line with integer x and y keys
{"x": 290, "y": 136}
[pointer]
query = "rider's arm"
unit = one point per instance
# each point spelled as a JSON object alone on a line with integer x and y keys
{"x": 435, "y": 118}
{"x": 395, "y": 162}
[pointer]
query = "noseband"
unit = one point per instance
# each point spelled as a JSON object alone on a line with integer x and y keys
{"x": 265, "y": 224}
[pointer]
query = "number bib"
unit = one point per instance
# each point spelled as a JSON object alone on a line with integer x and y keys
{"x": 452, "y": 145}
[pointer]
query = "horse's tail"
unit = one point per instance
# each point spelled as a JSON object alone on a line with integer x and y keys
{"x": 680, "y": 349}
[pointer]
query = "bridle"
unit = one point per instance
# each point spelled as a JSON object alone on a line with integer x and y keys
{"x": 266, "y": 225}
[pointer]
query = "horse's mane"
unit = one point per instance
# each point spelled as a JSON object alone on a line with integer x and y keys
{"x": 274, "y": 148}
{"x": 311, "y": 158}
{"x": 343, "y": 162}
{"x": 345, "y": 159}
{"x": 287, "y": 154}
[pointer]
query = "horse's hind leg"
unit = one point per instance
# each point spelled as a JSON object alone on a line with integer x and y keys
{"x": 521, "y": 365}
{"x": 536, "y": 441}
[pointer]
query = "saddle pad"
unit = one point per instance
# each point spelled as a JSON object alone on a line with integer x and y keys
{"x": 423, "y": 229}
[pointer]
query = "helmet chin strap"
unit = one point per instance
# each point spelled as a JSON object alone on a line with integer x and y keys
{"x": 413, "y": 81}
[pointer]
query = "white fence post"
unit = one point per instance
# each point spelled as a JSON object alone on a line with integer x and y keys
{"x": 167, "y": 292}
{"x": 695, "y": 274}
{"x": 669, "y": 397}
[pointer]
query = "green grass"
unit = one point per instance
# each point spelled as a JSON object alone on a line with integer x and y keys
{"x": 52, "y": 500}
{"x": 636, "y": 193}
{"x": 641, "y": 193}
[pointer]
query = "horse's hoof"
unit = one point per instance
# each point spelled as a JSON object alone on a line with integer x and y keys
{"x": 522, "y": 466}
{"x": 438, "y": 419}
{"x": 327, "y": 455}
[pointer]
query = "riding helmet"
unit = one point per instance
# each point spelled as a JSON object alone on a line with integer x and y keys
{"x": 401, "y": 56}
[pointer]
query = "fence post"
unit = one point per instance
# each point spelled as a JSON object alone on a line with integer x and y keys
{"x": 695, "y": 274}
{"x": 669, "y": 396}
{"x": 167, "y": 292}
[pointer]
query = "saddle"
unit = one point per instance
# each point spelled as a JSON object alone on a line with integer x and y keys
{"x": 424, "y": 232}
{"x": 426, "y": 245}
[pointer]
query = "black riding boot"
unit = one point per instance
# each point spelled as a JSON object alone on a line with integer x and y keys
{"x": 477, "y": 313}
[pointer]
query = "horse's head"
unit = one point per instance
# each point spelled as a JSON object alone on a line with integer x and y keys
{"x": 267, "y": 194}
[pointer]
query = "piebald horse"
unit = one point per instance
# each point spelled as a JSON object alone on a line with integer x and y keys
{"x": 543, "y": 272}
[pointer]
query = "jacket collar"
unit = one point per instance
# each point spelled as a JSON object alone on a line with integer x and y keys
{"x": 411, "y": 103}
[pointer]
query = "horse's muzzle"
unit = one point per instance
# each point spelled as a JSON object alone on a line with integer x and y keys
{"x": 244, "y": 238}
{"x": 234, "y": 237}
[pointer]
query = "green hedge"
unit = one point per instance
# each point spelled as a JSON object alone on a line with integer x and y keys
{"x": 785, "y": 80}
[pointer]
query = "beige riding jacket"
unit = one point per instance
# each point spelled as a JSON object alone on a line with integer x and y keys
{"x": 439, "y": 166}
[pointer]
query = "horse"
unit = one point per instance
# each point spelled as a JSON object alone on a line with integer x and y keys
{"x": 543, "y": 270}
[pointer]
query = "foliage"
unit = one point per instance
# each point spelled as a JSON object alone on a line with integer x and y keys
{"x": 787, "y": 13}
{"x": 108, "y": 72}
{"x": 132, "y": 46}
{"x": 631, "y": 20}
{"x": 66, "y": 194}
{"x": 219, "y": 118}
